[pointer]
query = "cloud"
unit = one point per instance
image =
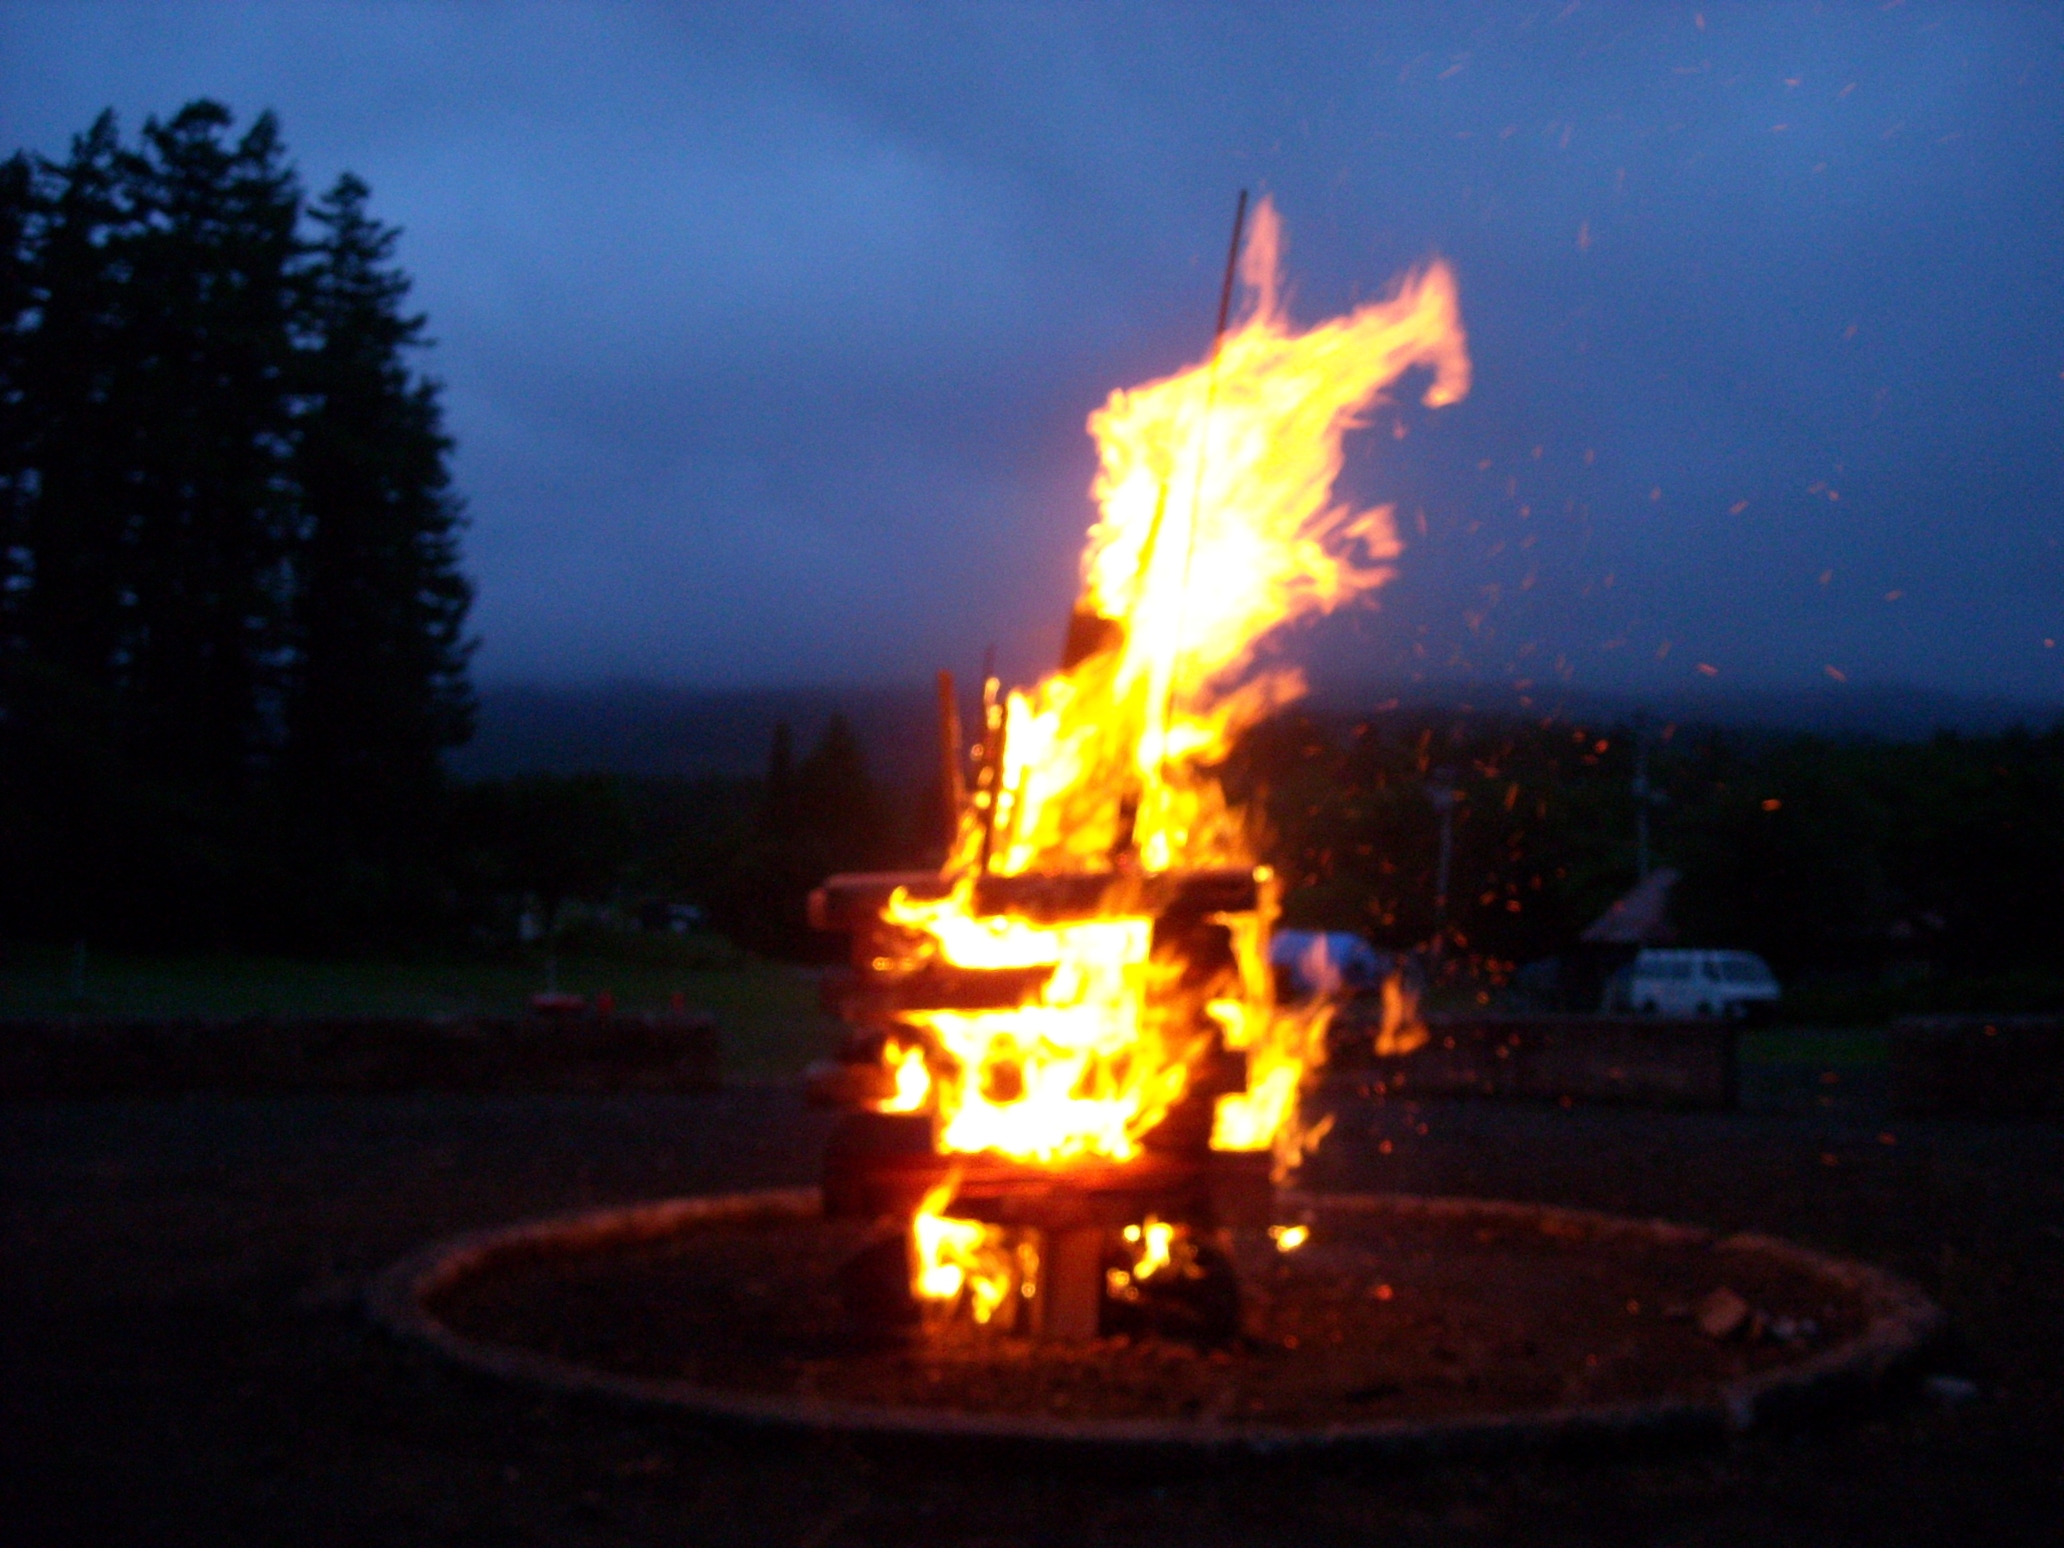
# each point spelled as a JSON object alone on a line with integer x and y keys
{"x": 768, "y": 336}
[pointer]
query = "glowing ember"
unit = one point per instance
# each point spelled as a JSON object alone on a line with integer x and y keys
{"x": 1401, "y": 1031}
{"x": 1217, "y": 524}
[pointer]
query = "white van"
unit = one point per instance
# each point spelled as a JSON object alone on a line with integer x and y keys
{"x": 1693, "y": 983}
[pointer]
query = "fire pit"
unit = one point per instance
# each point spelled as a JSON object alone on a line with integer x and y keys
{"x": 1403, "y": 1327}
{"x": 1049, "y": 1211}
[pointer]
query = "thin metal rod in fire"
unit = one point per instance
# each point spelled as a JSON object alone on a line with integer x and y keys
{"x": 1182, "y": 595}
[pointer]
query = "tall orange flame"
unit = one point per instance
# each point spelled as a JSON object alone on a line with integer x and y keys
{"x": 1218, "y": 523}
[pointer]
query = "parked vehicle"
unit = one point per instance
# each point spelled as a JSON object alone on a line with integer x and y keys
{"x": 1680, "y": 982}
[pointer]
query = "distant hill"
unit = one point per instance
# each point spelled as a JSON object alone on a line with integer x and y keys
{"x": 1887, "y": 712}
{"x": 647, "y": 729}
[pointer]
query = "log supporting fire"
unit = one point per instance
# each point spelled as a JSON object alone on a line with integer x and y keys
{"x": 1083, "y": 1246}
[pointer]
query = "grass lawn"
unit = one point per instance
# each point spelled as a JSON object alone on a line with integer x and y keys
{"x": 1827, "y": 1047}
{"x": 767, "y": 1012}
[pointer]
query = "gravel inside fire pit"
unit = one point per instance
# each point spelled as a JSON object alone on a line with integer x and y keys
{"x": 1380, "y": 1316}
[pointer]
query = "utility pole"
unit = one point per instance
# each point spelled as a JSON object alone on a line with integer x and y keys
{"x": 1645, "y": 797}
{"x": 1640, "y": 802}
{"x": 1443, "y": 794}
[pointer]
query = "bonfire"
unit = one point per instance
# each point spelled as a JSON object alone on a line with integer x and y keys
{"x": 1069, "y": 1067}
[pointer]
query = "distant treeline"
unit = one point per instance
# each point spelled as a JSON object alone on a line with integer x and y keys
{"x": 745, "y": 851}
{"x": 231, "y": 614}
{"x": 1866, "y": 857}
{"x": 1869, "y": 860}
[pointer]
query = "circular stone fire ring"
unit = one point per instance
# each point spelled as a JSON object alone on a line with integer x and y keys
{"x": 1405, "y": 1326}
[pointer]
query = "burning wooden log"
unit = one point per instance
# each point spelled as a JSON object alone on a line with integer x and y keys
{"x": 882, "y": 1164}
{"x": 853, "y": 901}
{"x": 1066, "y": 1220}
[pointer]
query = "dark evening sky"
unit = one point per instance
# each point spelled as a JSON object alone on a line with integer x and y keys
{"x": 769, "y": 334}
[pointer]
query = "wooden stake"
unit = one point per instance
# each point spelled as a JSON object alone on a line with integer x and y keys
{"x": 952, "y": 778}
{"x": 991, "y": 779}
{"x": 1071, "y": 1284}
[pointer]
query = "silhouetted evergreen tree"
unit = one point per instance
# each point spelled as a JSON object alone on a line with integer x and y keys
{"x": 377, "y": 686}
{"x": 16, "y": 294}
{"x": 76, "y": 362}
{"x": 840, "y": 815}
{"x": 816, "y": 817}
{"x": 76, "y": 827}
{"x": 214, "y": 297}
{"x": 230, "y": 608}
{"x": 777, "y": 805}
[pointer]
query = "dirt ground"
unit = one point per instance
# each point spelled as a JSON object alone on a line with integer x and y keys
{"x": 1380, "y": 1316}
{"x": 185, "y": 1360}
